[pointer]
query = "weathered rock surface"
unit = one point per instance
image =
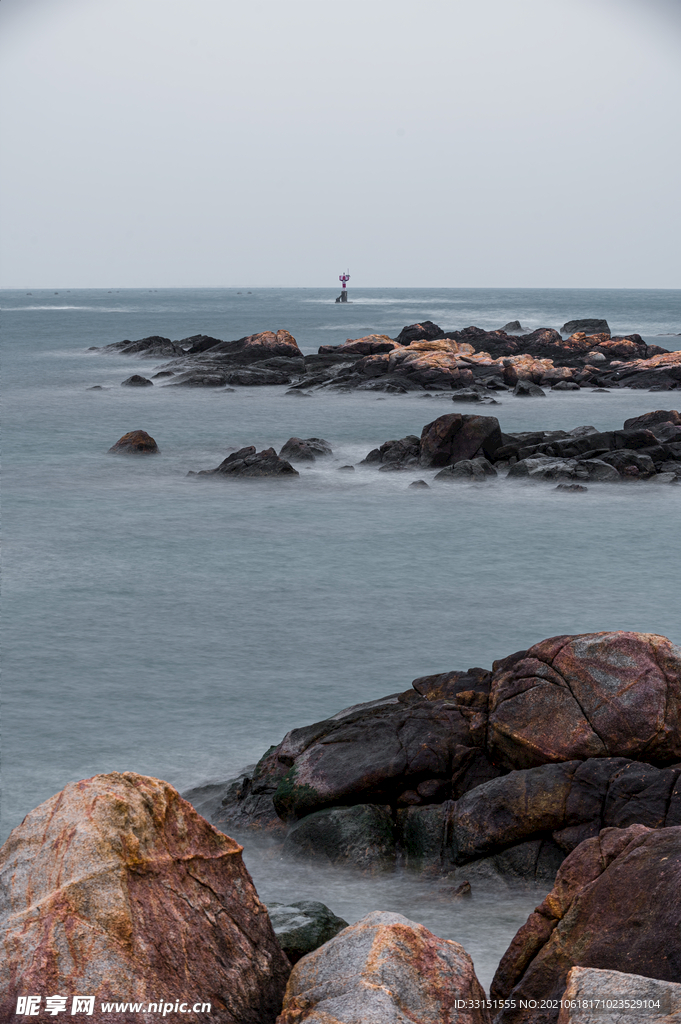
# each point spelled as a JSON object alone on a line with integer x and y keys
{"x": 154, "y": 347}
{"x": 303, "y": 926}
{"x": 589, "y": 985}
{"x": 117, "y": 888}
{"x": 616, "y": 906}
{"x": 452, "y": 438}
{"x": 305, "y": 449}
{"x": 384, "y": 969}
{"x": 590, "y": 326}
{"x": 249, "y": 463}
{"x": 596, "y": 695}
{"x": 361, "y": 837}
{"x": 515, "y": 767}
{"x": 136, "y": 442}
{"x": 137, "y": 381}
{"x": 477, "y": 470}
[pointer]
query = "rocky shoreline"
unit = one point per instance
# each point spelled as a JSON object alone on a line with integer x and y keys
{"x": 422, "y": 358}
{"x": 560, "y": 764}
{"x": 470, "y": 448}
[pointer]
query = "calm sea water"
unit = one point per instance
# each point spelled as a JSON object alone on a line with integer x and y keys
{"x": 177, "y": 627}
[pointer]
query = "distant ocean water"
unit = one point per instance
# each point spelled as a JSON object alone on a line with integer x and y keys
{"x": 177, "y": 627}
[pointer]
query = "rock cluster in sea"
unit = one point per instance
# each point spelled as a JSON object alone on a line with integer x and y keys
{"x": 423, "y": 357}
{"x": 561, "y": 764}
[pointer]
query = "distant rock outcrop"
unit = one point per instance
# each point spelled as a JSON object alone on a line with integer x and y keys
{"x": 590, "y": 326}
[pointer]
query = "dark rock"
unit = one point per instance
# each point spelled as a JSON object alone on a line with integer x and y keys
{"x": 592, "y": 326}
{"x": 526, "y": 389}
{"x": 298, "y": 393}
{"x": 199, "y": 343}
{"x": 382, "y": 748}
{"x": 571, "y": 487}
{"x": 426, "y": 331}
{"x": 596, "y": 695}
{"x": 246, "y": 463}
{"x": 361, "y": 836}
{"x": 257, "y": 377}
{"x": 649, "y": 420}
{"x": 452, "y": 438}
{"x": 154, "y": 347}
{"x": 346, "y": 469}
{"x": 512, "y": 325}
{"x": 615, "y": 906}
{"x": 96, "y": 387}
{"x": 467, "y": 469}
{"x": 303, "y": 926}
{"x": 630, "y": 464}
{"x": 402, "y": 454}
{"x": 164, "y": 373}
{"x": 255, "y": 347}
{"x": 136, "y": 381}
{"x": 565, "y": 385}
{"x": 137, "y": 442}
{"x": 420, "y": 484}
{"x": 474, "y": 396}
{"x": 305, "y": 450}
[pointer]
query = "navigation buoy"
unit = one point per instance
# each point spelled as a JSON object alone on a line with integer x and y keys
{"x": 343, "y": 278}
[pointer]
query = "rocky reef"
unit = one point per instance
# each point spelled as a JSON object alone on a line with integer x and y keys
{"x": 500, "y": 772}
{"x": 422, "y": 357}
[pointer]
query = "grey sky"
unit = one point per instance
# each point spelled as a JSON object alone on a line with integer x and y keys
{"x": 519, "y": 143}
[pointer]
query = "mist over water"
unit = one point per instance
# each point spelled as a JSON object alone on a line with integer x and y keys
{"x": 177, "y": 627}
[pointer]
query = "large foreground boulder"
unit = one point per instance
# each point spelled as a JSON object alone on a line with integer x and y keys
{"x": 594, "y": 695}
{"x": 632, "y": 998}
{"x": 452, "y": 438}
{"x": 616, "y": 906}
{"x": 385, "y": 969}
{"x": 116, "y": 888}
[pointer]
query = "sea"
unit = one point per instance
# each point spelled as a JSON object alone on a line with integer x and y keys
{"x": 177, "y": 627}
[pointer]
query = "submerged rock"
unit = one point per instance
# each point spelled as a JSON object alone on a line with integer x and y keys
{"x": 389, "y": 969}
{"x": 247, "y": 463}
{"x": 303, "y": 926}
{"x": 136, "y": 442}
{"x": 118, "y": 889}
{"x": 360, "y": 836}
{"x": 615, "y": 906}
{"x": 305, "y": 450}
{"x": 468, "y": 469}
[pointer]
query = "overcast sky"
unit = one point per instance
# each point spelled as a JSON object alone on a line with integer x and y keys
{"x": 464, "y": 143}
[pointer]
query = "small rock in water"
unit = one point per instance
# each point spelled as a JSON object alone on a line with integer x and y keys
{"x": 570, "y": 487}
{"x": 137, "y": 442}
{"x": 300, "y": 394}
{"x": 305, "y": 449}
{"x": 589, "y": 326}
{"x": 526, "y": 389}
{"x": 566, "y": 385}
{"x": 346, "y": 469}
{"x": 512, "y": 325}
{"x": 473, "y": 396}
{"x": 137, "y": 381}
{"x": 164, "y": 373}
{"x": 303, "y": 926}
{"x": 96, "y": 387}
{"x": 420, "y": 484}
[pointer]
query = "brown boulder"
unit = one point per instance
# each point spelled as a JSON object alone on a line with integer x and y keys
{"x": 270, "y": 343}
{"x": 616, "y": 905}
{"x": 385, "y": 968}
{"x": 137, "y": 442}
{"x": 451, "y": 438}
{"x": 591, "y": 695}
{"x": 116, "y": 888}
